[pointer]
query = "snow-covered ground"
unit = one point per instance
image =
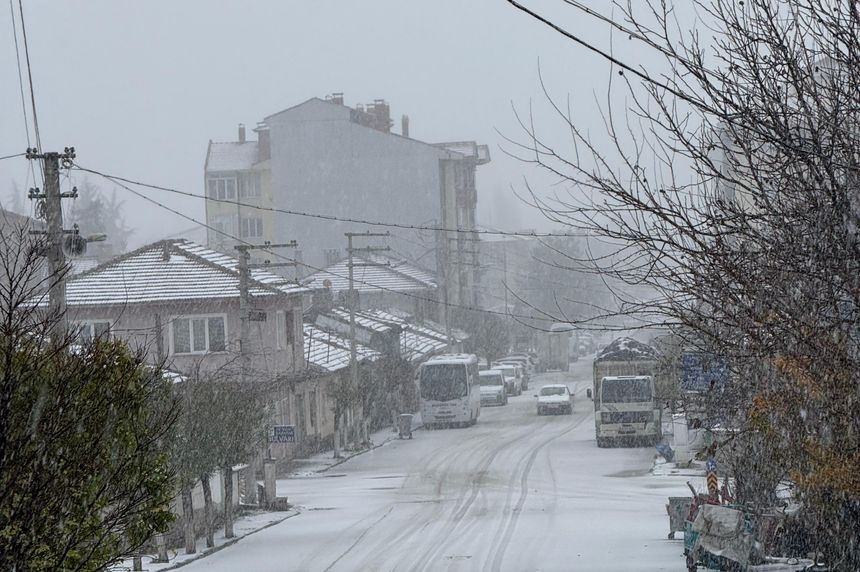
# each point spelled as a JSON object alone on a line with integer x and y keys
{"x": 515, "y": 492}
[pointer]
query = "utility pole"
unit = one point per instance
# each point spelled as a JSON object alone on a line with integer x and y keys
{"x": 245, "y": 316}
{"x": 50, "y": 208}
{"x": 353, "y": 299}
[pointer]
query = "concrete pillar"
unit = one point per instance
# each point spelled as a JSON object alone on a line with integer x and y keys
{"x": 251, "y": 481}
{"x": 269, "y": 484}
{"x": 161, "y": 545}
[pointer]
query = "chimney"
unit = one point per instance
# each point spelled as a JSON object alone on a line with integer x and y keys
{"x": 322, "y": 300}
{"x": 381, "y": 115}
{"x": 336, "y": 97}
{"x": 264, "y": 142}
{"x": 165, "y": 250}
{"x": 241, "y": 133}
{"x": 404, "y": 125}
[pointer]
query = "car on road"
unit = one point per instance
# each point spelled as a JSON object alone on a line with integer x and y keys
{"x": 554, "y": 398}
{"x": 513, "y": 377}
{"x": 493, "y": 390}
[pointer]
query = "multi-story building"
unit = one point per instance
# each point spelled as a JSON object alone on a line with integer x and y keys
{"x": 324, "y": 158}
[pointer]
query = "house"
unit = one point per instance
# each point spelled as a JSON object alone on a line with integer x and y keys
{"x": 328, "y": 357}
{"x": 382, "y": 281}
{"x": 178, "y": 302}
{"x": 325, "y": 158}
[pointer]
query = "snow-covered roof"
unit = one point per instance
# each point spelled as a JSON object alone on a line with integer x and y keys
{"x": 385, "y": 274}
{"x": 454, "y": 358}
{"x": 81, "y": 265}
{"x": 232, "y": 156}
{"x": 169, "y": 270}
{"x": 481, "y": 153}
{"x": 330, "y": 352}
{"x": 418, "y": 339}
{"x": 623, "y": 349}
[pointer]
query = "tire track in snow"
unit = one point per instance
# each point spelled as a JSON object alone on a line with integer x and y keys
{"x": 506, "y": 530}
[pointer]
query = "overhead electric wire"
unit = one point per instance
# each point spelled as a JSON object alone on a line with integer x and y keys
{"x": 314, "y": 268}
{"x": 31, "y": 171}
{"x": 116, "y": 179}
{"x": 3, "y": 158}
{"x": 29, "y": 75}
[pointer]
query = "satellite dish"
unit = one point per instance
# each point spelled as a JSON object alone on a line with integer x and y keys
{"x": 327, "y": 283}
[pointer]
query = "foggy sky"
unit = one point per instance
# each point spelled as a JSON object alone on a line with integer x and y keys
{"x": 140, "y": 88}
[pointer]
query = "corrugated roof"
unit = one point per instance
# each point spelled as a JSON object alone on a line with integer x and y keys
{"x": 418, "y": 340}
{"x": 190, "y": 272}
{"x": 232, "y": 156}
{"x": 392, "y": 275}
{"x": 330, "y": 352}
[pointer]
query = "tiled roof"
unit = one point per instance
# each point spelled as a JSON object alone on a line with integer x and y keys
{"x": 330, "y": 352}
{"x": 189, "y": 272}
{"x": 418, "y": 340}
{"x": 232, "y": 156}
{"x": 391, "y": 275}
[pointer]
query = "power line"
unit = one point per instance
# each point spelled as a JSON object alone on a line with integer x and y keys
{"x": 12, "y": 156}
{"x": 31, "y": 170}
{"x": 29, "y": 75}
{"x": 314, "y": 268}
{"x": 116, "y": 179}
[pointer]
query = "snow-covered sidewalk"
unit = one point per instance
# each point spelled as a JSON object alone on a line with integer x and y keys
{"x": 322, "y": 462}
{"x": 243, "y": 526}
{"x": 262, "y": 519}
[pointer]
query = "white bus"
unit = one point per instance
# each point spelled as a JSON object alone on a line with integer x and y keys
{"x": 450, "y": 390}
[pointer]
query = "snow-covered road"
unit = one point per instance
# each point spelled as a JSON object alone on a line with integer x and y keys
{"x": 516, "y": 492}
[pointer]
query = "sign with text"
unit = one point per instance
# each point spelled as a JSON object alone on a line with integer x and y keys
{"x": 702, "y": 371}
{"x": 257, "y": 316}
{"x": 282, "y": 434}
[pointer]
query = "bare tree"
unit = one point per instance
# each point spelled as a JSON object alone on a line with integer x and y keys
{"x": 729, "y": 189}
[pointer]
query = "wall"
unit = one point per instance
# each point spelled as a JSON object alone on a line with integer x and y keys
{"x": 137, "y": 325}
{"x": 324, "y": 163}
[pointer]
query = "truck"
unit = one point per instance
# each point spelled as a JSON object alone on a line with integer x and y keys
{"x": 626, "y": 408}
{"x": 554, "y": 347}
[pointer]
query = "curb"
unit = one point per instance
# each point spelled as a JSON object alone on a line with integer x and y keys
{"x": 362, "y": 452}
{"x": 230, "y": 542}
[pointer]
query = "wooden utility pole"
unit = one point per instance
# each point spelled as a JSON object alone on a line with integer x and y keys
{"x": 50, "y": 208}
{"x": 244, "y": 268}
{"x": 353, "y": 302}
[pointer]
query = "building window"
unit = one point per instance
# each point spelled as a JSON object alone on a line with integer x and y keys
{"x": 251, "y": 228}
{"x": 221, "y": 188}
{"x": 198, "y": 334}
{"x": 285, "y": 332}
{"x": 223, "y": 224}
{"x": 88, "y": 330}
{"x": 249, "y": 185}
{"x": 332, "y": 256}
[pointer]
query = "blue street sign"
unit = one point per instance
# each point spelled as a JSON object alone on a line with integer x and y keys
{"x": 701, "y": 371}
{"x": 710, "y": 465}
{"x": 282, "y": 434}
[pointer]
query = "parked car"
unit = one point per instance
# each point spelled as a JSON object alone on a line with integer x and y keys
{"x": 524, "y": 370}
{"x": 525, "y": 359}
{"x": 493, "y": 390}
{"x": 512, "y": 373}
{"x": 555, "y": 398}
